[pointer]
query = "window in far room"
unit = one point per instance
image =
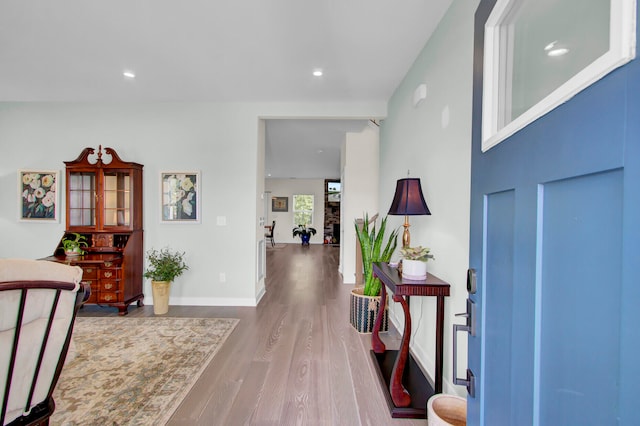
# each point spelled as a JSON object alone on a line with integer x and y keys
{"x": 303, "y": 209}
{"x": 333, "y": 192}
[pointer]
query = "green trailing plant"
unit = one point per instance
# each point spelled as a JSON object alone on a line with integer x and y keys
{"x": 371, "y": 244}
{"x": 416, "y": 253}
{"x": 73, "y": 243}
{"x": 165, "y": 265}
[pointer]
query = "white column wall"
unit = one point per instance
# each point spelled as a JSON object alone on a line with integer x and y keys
{"x": 360, "y": 175}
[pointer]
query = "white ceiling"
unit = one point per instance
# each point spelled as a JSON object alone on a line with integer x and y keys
{"x": 306, "y": 148}
{"x": 210, "y": 50}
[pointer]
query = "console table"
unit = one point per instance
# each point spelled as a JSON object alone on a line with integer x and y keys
{"x": 407, "y": 390}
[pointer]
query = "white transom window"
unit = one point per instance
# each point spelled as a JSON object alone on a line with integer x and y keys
{"x": 539, "y": 53}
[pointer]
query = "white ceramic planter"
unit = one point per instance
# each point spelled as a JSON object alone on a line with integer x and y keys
{"x": 447, "y": 410}
{"x": 414, "y": 269}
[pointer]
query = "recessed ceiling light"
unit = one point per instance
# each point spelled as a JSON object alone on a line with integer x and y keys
{"x": 129, "y": 74}
{"x": 317, "y": 73}
{"x": 320, "y": 151}
{"x": 550, "y": 45}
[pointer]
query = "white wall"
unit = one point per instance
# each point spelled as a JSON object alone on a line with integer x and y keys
{"x": 360, "y": 158}
{"x": 220, "y": 140}
{"x": 261, "y": 213}
{"x": 284, "y": 220}
{"x": 433, "y": 141}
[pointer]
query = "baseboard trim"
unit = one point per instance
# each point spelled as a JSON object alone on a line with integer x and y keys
{"x": 207, "y": 301}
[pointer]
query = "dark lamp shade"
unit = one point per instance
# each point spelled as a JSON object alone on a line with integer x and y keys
{"x": 408, "y": 200}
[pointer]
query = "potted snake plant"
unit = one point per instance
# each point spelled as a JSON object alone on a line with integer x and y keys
{"x": 365, "y": 300}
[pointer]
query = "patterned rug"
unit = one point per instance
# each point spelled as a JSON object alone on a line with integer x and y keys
{"x": 134, "y": 371}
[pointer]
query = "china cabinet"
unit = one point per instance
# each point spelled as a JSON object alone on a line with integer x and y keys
{"x": 104, "y": 204}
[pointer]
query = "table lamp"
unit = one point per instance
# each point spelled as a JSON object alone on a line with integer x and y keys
{"x": 408, "y": 201}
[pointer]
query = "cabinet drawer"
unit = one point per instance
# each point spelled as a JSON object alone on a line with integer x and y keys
{"x": 89, "y": 272}
{"x": 109, "y": 286}
{"x": 110, "y": 274}
{"x": 108, "y": 297}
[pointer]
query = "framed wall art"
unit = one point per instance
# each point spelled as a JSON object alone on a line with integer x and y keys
{"x": 180, "y": 197}
{"x": 280, "y": 204}
{"x": 38, "y": 195}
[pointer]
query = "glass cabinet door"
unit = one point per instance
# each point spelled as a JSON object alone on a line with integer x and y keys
{"x": 117, "y": 199}
{"x": 82, "y": 199}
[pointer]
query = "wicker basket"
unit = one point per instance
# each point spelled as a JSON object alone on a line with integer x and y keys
{"x": 363, "y": 311}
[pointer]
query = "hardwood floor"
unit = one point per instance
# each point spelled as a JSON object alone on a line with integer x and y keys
{"x": 294, "y": 359}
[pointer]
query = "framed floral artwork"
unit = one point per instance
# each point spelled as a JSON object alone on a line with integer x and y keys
{"x": 180, "y": 197}
{"x": 38, "y": 191}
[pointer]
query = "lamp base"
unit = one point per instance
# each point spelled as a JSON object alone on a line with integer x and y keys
{"x": 406, "y": 237}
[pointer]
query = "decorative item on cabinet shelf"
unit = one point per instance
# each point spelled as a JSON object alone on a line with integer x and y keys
{"x": 365, "y": 301}
{"x": 72, "y": 244}
{"x": 164, "y": 266}
{"x": 413, "y": 264}
{"x": 304, "y": 232}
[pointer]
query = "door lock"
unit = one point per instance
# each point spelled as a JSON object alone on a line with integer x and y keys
{"x": 471, "y": 281}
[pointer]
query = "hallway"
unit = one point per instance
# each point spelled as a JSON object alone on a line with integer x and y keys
{"x": 293, "y": 360}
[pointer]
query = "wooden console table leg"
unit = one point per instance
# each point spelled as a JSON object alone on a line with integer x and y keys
{"x": 376, "y": 344}
{"x": 439, "y": 343}
{"x": 399, "y": 394}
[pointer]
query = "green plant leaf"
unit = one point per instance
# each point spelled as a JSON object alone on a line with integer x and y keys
{"x": 165, "y": 265}
{"x": 371, "y": 243}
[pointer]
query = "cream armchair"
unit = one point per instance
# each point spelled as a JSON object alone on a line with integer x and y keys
{"x": 38, "y": 305}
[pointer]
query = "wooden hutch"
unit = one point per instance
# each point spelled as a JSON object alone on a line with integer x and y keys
{"x": 104, "y": 204}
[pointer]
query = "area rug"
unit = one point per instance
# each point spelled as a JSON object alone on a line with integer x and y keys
{"x": 134, "y": 371}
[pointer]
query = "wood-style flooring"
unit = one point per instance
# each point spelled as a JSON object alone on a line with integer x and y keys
{"x": 292, "y": 360}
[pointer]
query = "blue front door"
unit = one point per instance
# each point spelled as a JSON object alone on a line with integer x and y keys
{"x": 555, "y": 241}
